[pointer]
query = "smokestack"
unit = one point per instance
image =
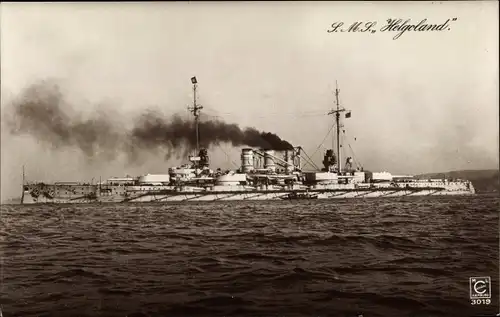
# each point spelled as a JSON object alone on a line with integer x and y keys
{"x": 269, "y": 163}
{"x": 289, "y": 157}
{"x": 298, "y": 158}
{"x": 247, "y": 160}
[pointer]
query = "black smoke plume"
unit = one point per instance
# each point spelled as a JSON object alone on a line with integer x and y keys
{"x": 43, "y": 113}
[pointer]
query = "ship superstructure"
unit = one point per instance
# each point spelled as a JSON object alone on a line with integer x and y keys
{"x": 264, "y": 174}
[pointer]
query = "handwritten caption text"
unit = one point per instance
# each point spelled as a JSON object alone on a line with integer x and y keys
{"x": 399, "y": 26}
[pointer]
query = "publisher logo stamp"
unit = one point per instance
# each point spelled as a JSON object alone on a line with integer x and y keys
{"x": 480, "y": 287}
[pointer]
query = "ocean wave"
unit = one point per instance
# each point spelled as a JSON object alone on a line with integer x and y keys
{"x": 376, "y": 257}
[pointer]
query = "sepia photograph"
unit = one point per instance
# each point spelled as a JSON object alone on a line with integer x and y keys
{"x": 301, "y": 158}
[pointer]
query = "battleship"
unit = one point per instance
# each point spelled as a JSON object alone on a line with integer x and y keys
{"x": 263, "y": 174}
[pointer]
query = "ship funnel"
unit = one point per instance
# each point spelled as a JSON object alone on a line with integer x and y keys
{"x": 204, "y": 159}
{"x": 289, "y": 157}
{"x": 247, "y": 160}
{"x": 329, "y": 160}
{"x": 269, "y": 163}
{"x": 348, "y": 163}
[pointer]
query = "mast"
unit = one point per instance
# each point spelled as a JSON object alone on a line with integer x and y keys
{"x": 337, "y": 121}
{"x": 22, "y": 192}
{"x": 195, "y": 109}
{"x": 337, "y": 112}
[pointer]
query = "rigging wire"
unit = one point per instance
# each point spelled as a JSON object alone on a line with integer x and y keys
{"x": 314, "y": 165}
{"x": 324, "y": 139}
{"x": 219, "y": 114}
{"x": 357, "y": 162}
{"x": 318, "y": 111}
{"x": 302, "y": 115}
{"x": 228, "y": 157}
{"x": 309, "y": 163}
{"x": 308, "y": 160}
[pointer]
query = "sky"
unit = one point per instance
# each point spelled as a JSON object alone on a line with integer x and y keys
{"x": 424, "y": 102}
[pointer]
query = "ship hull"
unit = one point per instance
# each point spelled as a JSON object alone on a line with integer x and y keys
{"x": 264, "y": 174}
{"x": 171, "y": 195}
